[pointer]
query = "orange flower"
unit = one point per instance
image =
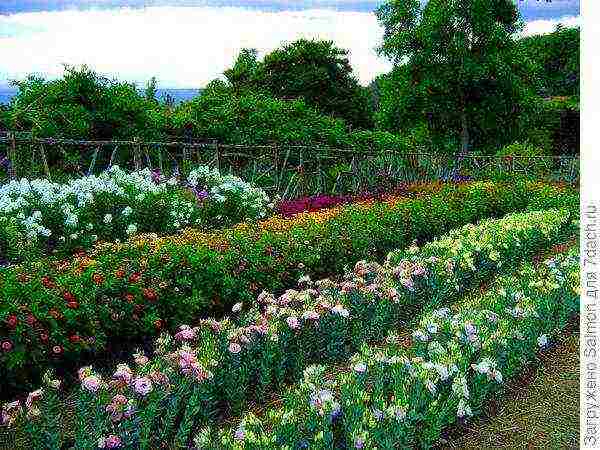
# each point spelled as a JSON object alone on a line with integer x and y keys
{"x": 149, "y": 294}
{"x": 98, "y": 278}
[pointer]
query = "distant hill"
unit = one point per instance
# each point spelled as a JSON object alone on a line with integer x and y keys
{"x": 179, "y": 95}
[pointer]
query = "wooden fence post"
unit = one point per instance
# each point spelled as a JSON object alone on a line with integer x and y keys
{"x": 12, "y": 153}
{"x": 45, "y": 162}
{"x": 217, "y": 156}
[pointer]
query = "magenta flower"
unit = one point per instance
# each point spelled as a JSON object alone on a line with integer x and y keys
{"x": 112, "y": 441}
{"x": 185, "y": 333}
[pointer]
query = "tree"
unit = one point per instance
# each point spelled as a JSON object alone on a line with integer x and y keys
{"x": 456, "y": 68}
{"x": 557, "y": 57}
{"x": 313, "y": 70}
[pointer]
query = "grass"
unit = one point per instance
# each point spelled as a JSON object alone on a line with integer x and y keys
{"x": 539, "y": 409}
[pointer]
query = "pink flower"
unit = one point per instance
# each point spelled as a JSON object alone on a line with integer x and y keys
{"x": 140, "y": 359}
{"x": 91, "y": 383}
{"x": 123, "y": 374}
{"x": 33, "y": 397}
{"x": 311, "y": 315}
{"x": 185, "y": 333}
{"x": 84, "y": 372}
{"x": 7, "y": 346}
{"x": 292, "y": 322}
{"x": 112, "y": 441}
{"x": 142, "y": 386}
{"x": 235, "y": 348}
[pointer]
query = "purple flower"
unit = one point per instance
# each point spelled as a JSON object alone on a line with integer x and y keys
{"x": 142, "y": 386}
{"x": 91, "y": 383}
{"x": 359, "y": 443}
{"x": 239, "y": 433}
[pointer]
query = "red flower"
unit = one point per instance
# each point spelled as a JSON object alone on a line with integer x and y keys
{"x": 74, "y": 338}
{"x": 7, "y": 346}
{"x": 30, "y": 319}
{"x": 120, "y": 273}
{"x": 57, "y": 349}
{"x": 149, "y": 294}
{"x": 12, "y": 321}
{"x": 44, "y": 337}
{"x": 135, "y": 277}
{"x": 69, "y": 297}
{"x": 73, "y": 305}
{"x": 129, "y": 297}
{"x": 47, "y": 282}
{"x": 158, "y": 324}
{"x": 98, "y": 279}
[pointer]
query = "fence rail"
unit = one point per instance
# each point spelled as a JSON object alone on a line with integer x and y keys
{"x": 285, "y": 170}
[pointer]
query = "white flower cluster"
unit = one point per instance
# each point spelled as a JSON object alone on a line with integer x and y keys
{"x": 38, "y": 205}
{"x": 222, "y": 189}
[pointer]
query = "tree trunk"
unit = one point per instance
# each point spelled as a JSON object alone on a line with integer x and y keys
{"x": 464, "y": 135}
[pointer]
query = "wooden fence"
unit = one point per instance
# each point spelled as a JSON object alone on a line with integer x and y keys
{"x": 286, "y": 170}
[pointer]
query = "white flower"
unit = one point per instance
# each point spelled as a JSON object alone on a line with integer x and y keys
{"x": 127, "y": 211}
{"x": 542, "y": 340}
{"x": 107, "y": 218}
{"x": 132, "y": 228}
{"x": 463, "y": 409}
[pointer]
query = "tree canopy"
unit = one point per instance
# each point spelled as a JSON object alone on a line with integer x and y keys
{"x": 456, "y": 69}
{"x": 313, "y": 70}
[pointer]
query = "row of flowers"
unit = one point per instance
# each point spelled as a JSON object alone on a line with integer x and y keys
{"x": 404, "y": 394}
{"x": 40, "y": 216}
{"x": 50, "y": 311}
{"x": 201, "y": 370}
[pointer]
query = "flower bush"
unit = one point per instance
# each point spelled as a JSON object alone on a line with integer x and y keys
{"x": 404, "y": 395}
{"x": 39, "y": 215}
{"x": 198, "y": 369}
{"x": 52, "y": 312}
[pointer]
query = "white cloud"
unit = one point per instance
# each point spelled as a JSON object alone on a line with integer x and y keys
{"x": 548, "y": 26}
{"x": 183, "y": 47}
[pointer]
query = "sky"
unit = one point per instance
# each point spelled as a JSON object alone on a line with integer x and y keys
{"x": 187, "y": 43}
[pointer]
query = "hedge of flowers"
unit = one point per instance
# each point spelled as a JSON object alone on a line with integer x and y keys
{"x": 403, "y": 395}
{"x": 201, "y": 369}
{"x": 50, "y": 314}
{"x": 38, "y": 216}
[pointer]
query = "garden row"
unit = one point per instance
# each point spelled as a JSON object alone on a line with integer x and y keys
{"x": 39, "y": 216}
{"x": 404, "y": 396}
{"x": 52, "y": 314}
{"x": 219, "y": 366}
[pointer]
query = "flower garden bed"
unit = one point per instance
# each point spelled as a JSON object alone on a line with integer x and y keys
{"x": 52, "y": 315}
{"x": 404, "y": 395}
{"x": 41, "y": 217}
{"x": 186, "y": 385}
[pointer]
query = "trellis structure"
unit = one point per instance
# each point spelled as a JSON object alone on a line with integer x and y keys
{"x": 285, "y": 170}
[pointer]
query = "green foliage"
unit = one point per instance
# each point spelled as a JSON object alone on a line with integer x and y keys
{"x": 315, "y": 71}
{"x": 460, "y": 73}
{"x": 255, "y": 118}
{"x": 84, "y": 105}
{"x": 557, "y": 57}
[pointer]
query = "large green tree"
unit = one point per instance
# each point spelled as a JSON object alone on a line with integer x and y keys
{"x": 313, "y": 70}
{"x": 456, "y": 69}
